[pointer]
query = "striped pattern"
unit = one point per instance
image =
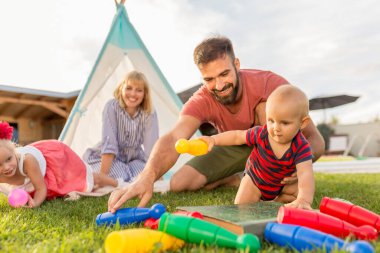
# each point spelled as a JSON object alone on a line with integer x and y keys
{"x": 123, "y": 136}
{"x": 265, "y": 169}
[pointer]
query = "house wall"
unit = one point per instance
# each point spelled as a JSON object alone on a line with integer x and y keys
{"x": 365, "y": 138}
{"x": 31, "y": 130}
{"x": 28, "y": 130}
{"x": 35, "y": 129}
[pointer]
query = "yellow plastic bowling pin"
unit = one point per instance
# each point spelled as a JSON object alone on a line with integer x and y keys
{"x": 195, "y": 147}
{"x": 141, "y": 240}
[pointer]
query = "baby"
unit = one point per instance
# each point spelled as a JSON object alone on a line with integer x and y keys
{"x": 279, "y": 149}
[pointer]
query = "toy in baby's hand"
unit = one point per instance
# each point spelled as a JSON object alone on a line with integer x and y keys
{"x": 18, "y": 198}
{"x": 195, "y": 147}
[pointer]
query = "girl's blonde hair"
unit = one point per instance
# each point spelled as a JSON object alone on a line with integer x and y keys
{"x": 7, "y": 144}
{"x": 135, "y": 76}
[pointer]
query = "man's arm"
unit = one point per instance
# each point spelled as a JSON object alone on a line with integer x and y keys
{"x": 315, "y": 140}
{"x": 161, "y": 159}
{"x": 260, "y": 115}
{"x": 164, "y": 155}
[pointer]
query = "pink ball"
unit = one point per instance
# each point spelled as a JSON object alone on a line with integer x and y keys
{"x": 18, "y": 198}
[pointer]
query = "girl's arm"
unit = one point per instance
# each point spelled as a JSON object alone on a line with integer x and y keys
{"x": 229, "y": 138}
{"x": 33, "y": 171}
{"x": 305, "y": 186}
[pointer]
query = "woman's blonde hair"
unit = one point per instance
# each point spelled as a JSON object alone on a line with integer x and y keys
{"x": 135, "y": 76}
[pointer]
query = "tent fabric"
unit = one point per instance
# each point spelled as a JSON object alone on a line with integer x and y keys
{"x": 122, "y": 52}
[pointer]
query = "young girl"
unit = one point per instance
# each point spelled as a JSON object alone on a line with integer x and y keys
{"x": 45, "y": 169}
{"x": 129, "y": 124}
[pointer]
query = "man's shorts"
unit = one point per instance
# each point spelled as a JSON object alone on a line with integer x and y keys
{"x": 221, "y": 162}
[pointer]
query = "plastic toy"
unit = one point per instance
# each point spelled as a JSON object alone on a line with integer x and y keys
{"x": 198, "y": 231}
{"x": 190, "y": 214}
{"x": 153, "y": 223}
{"x": 141, "y": 240}
{"x": 325, "y": 223}
{"x": 130, "y": 215}
{"x": 18, "y": 197}
{"x": 195, "y": 147}
{"x": 302, "y": 238}
{"x": 349, "y": 212}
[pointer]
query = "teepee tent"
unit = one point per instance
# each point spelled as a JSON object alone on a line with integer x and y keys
{"x": 123, "y": 51}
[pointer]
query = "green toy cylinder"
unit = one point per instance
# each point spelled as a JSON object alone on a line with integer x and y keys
{"x": 197, "y": 231}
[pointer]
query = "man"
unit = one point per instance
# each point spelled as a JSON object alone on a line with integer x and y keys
{"x": 230, "y": 99}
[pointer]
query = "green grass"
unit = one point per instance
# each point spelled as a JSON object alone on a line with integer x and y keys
{"x": 64, "y": 226}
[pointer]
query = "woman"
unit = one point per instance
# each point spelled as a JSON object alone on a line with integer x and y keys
{"x": 130, "y": 129}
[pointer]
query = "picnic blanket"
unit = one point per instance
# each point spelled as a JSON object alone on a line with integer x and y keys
{"x": 161, "y": 186}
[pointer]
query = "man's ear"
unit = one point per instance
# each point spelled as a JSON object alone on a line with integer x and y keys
{"x": 237, "y": 64}
{"x": 305, "y": 121}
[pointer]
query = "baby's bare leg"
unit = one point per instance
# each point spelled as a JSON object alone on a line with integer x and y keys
{"x": 288, "y": 194}
{"x": 101, "y": 180}
{"x": 247, "y": 192}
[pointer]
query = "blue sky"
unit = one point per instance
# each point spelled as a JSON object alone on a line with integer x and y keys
{"x": 324, "y": 47}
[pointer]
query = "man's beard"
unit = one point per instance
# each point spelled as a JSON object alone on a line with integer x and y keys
{"x": 230, "y": 99}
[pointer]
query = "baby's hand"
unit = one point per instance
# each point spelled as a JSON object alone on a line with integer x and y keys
{"x": 209, "y": 140}
{"x": 299, "y": 203}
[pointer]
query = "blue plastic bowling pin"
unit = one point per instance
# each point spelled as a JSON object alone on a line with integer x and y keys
{"x": 302, "y": 238}
{"x": 130, "y": 215}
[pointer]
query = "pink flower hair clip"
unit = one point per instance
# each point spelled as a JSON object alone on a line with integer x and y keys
{"x": 6, "y": 130}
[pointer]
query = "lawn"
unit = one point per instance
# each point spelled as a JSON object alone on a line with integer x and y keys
{"x": 64, "y": 226}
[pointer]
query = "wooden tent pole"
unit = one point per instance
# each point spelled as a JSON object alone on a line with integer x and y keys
{"x": 121, "y": 2}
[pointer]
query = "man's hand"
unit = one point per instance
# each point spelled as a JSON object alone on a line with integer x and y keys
{"x": 142, "y": 188}
{"x": 290, "y": 180}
